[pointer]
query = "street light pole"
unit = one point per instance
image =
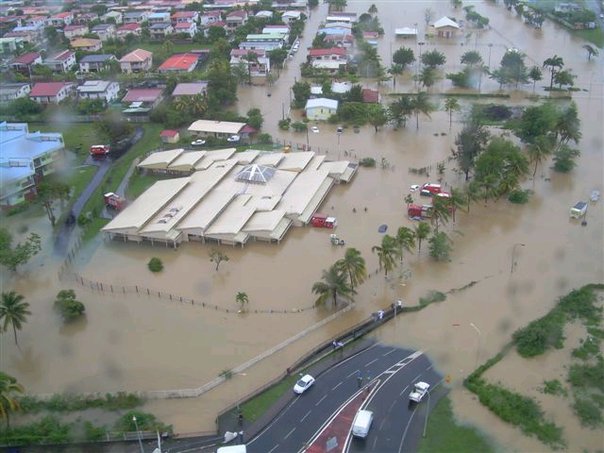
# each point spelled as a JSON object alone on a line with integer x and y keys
{"x": 478, "y": 346}
{"x": 490, "y": 48}
{"x": 138, "y": 434}
{"x": 514, "y": 255}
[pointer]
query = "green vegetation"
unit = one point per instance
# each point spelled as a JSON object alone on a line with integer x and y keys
{"x": 12, "y": 256}
{"x": 431, "y": 297}
{"x": 257, "y": 406}
{"x": 519, "y": 196}
{"x": 595, "y": 36}
{"x": 155, "y": 265}
{"x": 584, "y": 376}
{"x": 144, "y": 422}
{"x": 78, "y": 137}
{"x": 49, "y": 430}
{"x": 590, "y": 347}
{"x": 138, "y": 183}
{"x": 445, "y": 435}
{"x": 70, "y": 308}
{"x": 554, "y": 387}
{"x": 73, "y": 403}
{"x": 589, "y": 413}
{"x": 367, "y": 162}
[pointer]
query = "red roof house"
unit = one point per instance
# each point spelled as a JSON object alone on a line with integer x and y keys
{"x": 169, "y": 136}
{"x": 50, "y": 92}
{"x": 148, "y": 96}
{"x": 333, "y": 53}
{"x": 370, "y": 96}
{"x": 26, "y": 60}
{"x": 184, "y": 62}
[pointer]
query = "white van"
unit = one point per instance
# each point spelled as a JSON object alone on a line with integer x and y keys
{"x": 362, "y": 423}
{"x": 232, "y": 449}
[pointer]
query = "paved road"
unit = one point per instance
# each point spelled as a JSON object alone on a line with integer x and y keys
{"x": 305, "y": 416}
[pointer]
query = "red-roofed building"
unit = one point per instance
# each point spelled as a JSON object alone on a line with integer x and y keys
{"x": 72, "y": 31}
{"x": 210, "y": 18}
{"x": 51, "y": 92}
{"x": 62, "y": 61}
{"x": 236, "y": 19}
{"x": 169, "y": 136}
{"x": 184, "y": 16}
{"x": 333, "y": 53}
{"x": 26, "y": 61}
{"x": 190, "y": 28}
{"x": 60, "y": 19}
{"x": 127, "y": 29}
{"x": 148, "y": 96}
{"x": 184, "y": 62}
{"x": 370, "y": 96}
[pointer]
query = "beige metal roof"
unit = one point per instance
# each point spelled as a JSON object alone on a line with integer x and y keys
{"x": 214, "y": 156}
{"x": 296, "y": 161}
{"x": 269, "y": 158}
{"x": 160, "y": 159}
{"x": 216, "y": 127}
{"x": 302, "y": 190}
{"x": 315, "y": 163}
{"x": 147, "y": 205}
{"x": 202, "y": 215}
{"x": 246, "y": 157}
{"x": 264, "y": 221}
{"x": 232, "y": 220}
{"x": 186, "y": 161}
{"x": 335, "y": 168}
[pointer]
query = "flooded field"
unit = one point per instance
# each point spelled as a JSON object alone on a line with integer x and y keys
{"x": 144, "y": 343}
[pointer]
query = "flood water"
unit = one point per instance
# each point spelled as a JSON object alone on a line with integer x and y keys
{"x": 144, "y": 343}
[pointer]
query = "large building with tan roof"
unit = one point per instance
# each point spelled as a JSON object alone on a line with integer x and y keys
{"x": 228, "y": 197}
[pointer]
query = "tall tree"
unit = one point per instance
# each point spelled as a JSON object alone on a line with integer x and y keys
{"x": 554, "y": 64}
{"x": 421, "y": 104}
{"x": 470, "y": 142}
{"x": 405, "y": 240}
{"x": 216, "y": 256}
{"x": 441, "y": 212}
{"x": 539, "y": 150}
{"x": 14, "y": 256}
{"x": 49, "y": 191}
{"x": 428, "y": 76}
{"x": 422, "y": 231}
{"x": 471, "y": 58}
{"x": 513, "y": 67}
{"x": 403, "y": 57}
{"x": 13, "y": 312}
{"x": 440, "y": 246}
{"x": 591, "y": 51}
{"x": 564, "y": 77}
{"x": 353, "y": 265}
{"x": 387, "y": 253}
{"x": 564, "y": 158}
{"x": 535, "y": 75}
{"x": 451, "y": 105}
{"x": 242, "y": 299}
{"x": 399, "y": 111}
{"x": 376, "y": 115}
{"x": 9, "y": 402}
{"x": 456, "y": 200}
{"x": 568, "y": 125}
{"x": 333, "y": 284}
{"x": 434, "y": 58}
{"x": 372, "y": 9}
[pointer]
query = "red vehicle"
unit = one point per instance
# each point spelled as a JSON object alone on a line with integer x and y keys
{"x": 99, "y": 150}
{"x": 323, "y": 221}
{"x": 415, "y": 211}
{"x": 429, "y": 189}
{"x": 114, "y": 201}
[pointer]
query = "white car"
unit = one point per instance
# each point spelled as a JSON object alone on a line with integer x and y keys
{"x": 198, "y": 142}
{"x": 303, "y": 384}
{"x": 420, "y": 389}
{"x": 414, "y": 188}
{"x": 233, "y": 138}
{"x": 315, "y": 129}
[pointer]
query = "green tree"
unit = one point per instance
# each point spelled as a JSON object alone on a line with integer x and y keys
{"x": 535, "y": 75}
{"x": 403, "y": 57}
{"x": 333, "y": 284}
{"x": 353, "y": 265}
{"x": 254, "y": 118}
{"x": 70, "y": 308}
{"x": 14, "y": 256}
{"x": 568, "y": 125}
{"x": 23, "y": 107}
{"x": 456, "y": 200}
{"x": 471, "y": 58}
{"x": 591, "y": 51}
{"x": 428, "y": 76}
{"x": 387, "y": 253}
{"x": 564, "y": 77}
{"x": 49, "y": 191}
{"x": 422, "y": 231}
{"x": 564, "y": 158}
{"x": 242, "y": 299}
{"x": 251, "y": 58}
{"x": 376, "y": 115}
{"x": 9, "y": 401}
{"x": 554, "y": 64}
{"x": 13, "y": 312}
{"x": 399, "y": 111}
{"x": 538, "y": 151}
{"x": 451, "y": 105}
{"x": 441, "y": 212}
{"x": 421, "y": 104}
{"x": 113, "y": 126}
{"x": 470, "y": 142}
{"x": 433, "y": 58}
{"x": 301, "y": 92}
{"x": 405, "y": 240}
{"x": 216, "y": 33}
{"x": 536, "y": 121}
{"x": 440, "y": 246}
{"x": 337, "y": 5}
{"x": 372, "y": 9}
{"x": 222, "y": 85}
{"x": 513, "y": 67}
{"x": 216, "y": 256}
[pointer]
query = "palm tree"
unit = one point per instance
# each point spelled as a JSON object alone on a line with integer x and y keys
{"x": 387, "y": 253}
{"x": 333, "y": 284}
{"x": 457, "y": 200}
{"x": 441, "y": 211}
{"x": 554, "y": 64}
{"x": 8, "y": 402}
{"x": 535, "y": 75}
{"x": 353, "y": 265}
{"x": 539, "y": 150}
{"x": 13, "y": 311}
{"x": 405, "y": 239}
{"x": 428, "y": 76}
{"x": 568, "y": 126}
{"x": 250, "y": 58}
{"x": 421, "y": 104}
{"x": 591, "y": 51}
{"x": 422, "y": 231}
{"x": 372, "y": 9}
{"x": 451, "y": 104}
{"x": 242, "y": 299}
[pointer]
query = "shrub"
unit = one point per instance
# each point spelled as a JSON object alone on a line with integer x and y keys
{"x": 585, "y": 376}
{"x": 94, "y": 433}
{"x": 284, "y": 124}
{"x": 518, "y": 196}
{"x": 70, "y": 308}
{"x": 299, "y": 126}
{"x": 264, "y": 139}
{"x": 49, "y": 430}
{"x": 589, "y": 347}
{"x": 155, "y": 265}
{"x": 540, "y": 335}
{"x": 431, "y": 297}
{"x": 553, "y": 387}
{"x": 144, "y": 421}
{"x": 367, "y": 162}
{"x": 588, "y": 412}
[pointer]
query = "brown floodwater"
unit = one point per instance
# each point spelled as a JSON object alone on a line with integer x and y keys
{"x": 145, "y": 343}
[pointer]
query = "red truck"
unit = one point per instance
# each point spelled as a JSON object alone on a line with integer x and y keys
{"x": 429, "y": 189}
{"x": 114, "y": 201}
{"x": 323, "y": 221}
{"x": 99, "y": 150}
{"x": 415, "y": 211}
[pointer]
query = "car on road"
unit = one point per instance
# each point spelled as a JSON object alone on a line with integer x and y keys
{"x": 303, "y": 384}
{"x": 362, "y": 423}
{"x": 198, "y": 142}
{"x": 414, "y": 188}
{"x": 315, "y": 129}
{"x": 233, "y": 138}
{"x": 340, "y": 129}
{"x": 420, "y": 389}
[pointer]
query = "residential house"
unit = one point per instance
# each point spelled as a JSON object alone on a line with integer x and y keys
{"x": 169, "y": 136}
{"x": 31, "y": 35}
{"x": 138, "y": 60}
{"x": 189, "y": 28}
{"x": 10, "y": 45}
{"x": 11, "y": 91}
{"x": 141, "y": 100}
{"x": 38, "y": 22}
{"x": 60, "y": 20}
{"x": 126, "y": 29}
{"x": 218, "y": 129}
{"x": 332, "y": 53}
{"x": 159, "y": 18}
{"x": 86, "y": 44}
{"x": 210, "y": 18}
{"x": 320, "y": 108}
{"x": 265, "y": 14}
{"x": 115, "y": 15}
{"x": 446, "y": 28}
{"x": 236, "y": 19}
{"x": 135, "y": 17}
{"x": 75, "y": 30}
{"x": 96, "y": 63}
{"x": 267, "y": 42}
{"x": 25, "y": 158}
{"x": 161, "y": 30}
{"x": 342, "y": 16}
{"x": 185, "y": 62}
{"x": 257, "y": 66}
{"x": 290, "y": 16}
{"x": 370, "y": 96}
{"x": 190, "y": 89}
{"x": 104, "y": 31}
{"x": 84, "y": 19}
{"x": 271, "y": 29}
{"x": 62, "y": 61}
{"x": 51, "y": 92}
{"x": 99, "y": 89}
{"x": 343, "y": 40}
{"x": 184, "y": 17}
{"x": 24, "y": 63}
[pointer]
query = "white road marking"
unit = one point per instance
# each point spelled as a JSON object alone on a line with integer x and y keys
{"x": 273, "y": 449}
{"x": 429, "y": 368}
{"x": 382, "y": 423}
{"x": 400, "y": 447}
{"x": 352, "y": 374}
{"x": 307, "y": 414}
{"x": 321, "y": 400}
{"x": 390, "y": 372}
{"x": 416, "y": 377}
{"x": 339, "y": 383}
{"x": 374, "y": 442}
{"x": 388, "y": 353}
{"x": 289, "y": 433}
{"x": 373, "y": 361}
{"x": 404, "y": 390}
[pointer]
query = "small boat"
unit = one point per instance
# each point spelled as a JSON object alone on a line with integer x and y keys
{"x": 595, "y": 195}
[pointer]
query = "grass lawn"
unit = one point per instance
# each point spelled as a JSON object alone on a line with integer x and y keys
{"x": 176, "y": 47}
{"x": 595, "y": 36}
{"x": 78, "y": 136}
{"x": 80, "y": 179}
{"x": 139, "y": 183}
{"x": 445, "y": 435}
{"x": 257, "y": 406}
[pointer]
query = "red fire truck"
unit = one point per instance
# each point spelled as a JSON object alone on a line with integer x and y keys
{"x": 114, "y": 201}
{"x": 323, "y": 221}
{"x": 99, "y": 150}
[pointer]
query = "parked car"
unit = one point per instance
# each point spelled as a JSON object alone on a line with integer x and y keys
{"x": 315, "y": 129}
{"x": 198, "y": 142}
{"x": 304, "y": 384}
{"x": 233, "y": 138}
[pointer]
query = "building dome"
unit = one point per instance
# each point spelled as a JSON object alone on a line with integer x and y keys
{"x": 255, "y": 173}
